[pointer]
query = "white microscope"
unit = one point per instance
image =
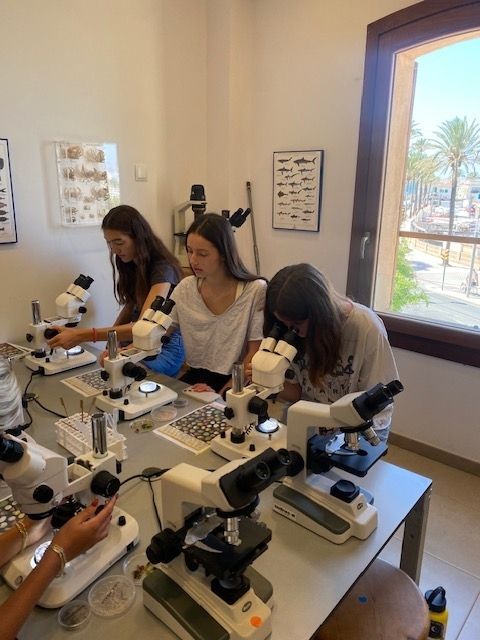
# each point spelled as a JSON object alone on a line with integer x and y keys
{"x": 205, "y": 588}
{"x": 317, "y": 498}
{"x": 182, "y": 218}
{"x": 252, "y": 431}
{"x": 45, "y": 485}
{"x": 70, "y": 306}
{"x": 128, "y": 391}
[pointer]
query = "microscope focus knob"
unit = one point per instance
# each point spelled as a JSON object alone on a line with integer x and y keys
{"x": 105, "y": 484}
{"x": 164, "y": 547}
{"x": 229, "y": 413}
{"x": 29, "y": 337}
{"x": 50, "y": 333}
{"x": 345, "y": 490}
{"x": 43, "y": 493}
{"x": 82, "y": 309}
{"x": 104, "y": 375}
{"x": 134, "y": 371}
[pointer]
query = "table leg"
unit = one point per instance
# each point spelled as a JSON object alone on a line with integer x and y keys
{"x": 414, "y": 537}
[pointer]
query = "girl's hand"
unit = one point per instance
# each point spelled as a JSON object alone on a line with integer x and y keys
{"x": 85, "y": 529}
{"x": 201, "y": 387}
{"x": 67, "y": 337}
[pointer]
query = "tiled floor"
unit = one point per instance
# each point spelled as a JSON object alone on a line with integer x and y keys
{"x": 452, "y": 546}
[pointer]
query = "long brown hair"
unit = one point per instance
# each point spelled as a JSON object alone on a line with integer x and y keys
{"x": 218, "y": 230}
{"x": 131, "y": 281}
{"x": 301, "y": 292}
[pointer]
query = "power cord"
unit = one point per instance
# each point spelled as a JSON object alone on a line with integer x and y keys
{"x": 33, "y": 397}
{"x": 149, "y": 474}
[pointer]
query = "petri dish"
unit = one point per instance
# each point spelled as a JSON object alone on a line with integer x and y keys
{"x": 112, "y": 596}
{"x": 137, "y": 567}
{"x": 74, "y": 615}
{"x": 142, "y": 425}
{"x": 163, "y": 414}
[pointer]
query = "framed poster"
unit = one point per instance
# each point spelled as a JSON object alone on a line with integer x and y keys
{"x": 8, "y": 225}
{"x": 88, "y": 181}
{"x": 297, "y": 189}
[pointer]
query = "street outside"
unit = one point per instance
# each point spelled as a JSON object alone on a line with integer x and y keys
{"x": 447, "y": 305}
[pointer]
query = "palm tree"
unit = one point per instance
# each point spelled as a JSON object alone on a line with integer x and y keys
{"x": 456, "y": 144}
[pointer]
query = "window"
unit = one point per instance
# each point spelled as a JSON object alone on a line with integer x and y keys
{"x": 410, "y": 217}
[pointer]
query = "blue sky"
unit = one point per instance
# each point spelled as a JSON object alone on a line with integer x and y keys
{"x": 448, "y": 85}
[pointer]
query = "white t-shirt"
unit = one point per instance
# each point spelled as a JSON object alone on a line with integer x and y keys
{"x": 366, "y": 359}
{"x": 216, "y": 342}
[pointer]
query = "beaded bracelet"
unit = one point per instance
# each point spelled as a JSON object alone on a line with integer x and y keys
{"x": 61, "y": 554}
{"x": 23, "y": 532}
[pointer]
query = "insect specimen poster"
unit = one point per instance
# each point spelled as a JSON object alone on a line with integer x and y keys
{"x": 8, "y": 227}
{"x": 297, "y": 189}
{"x": 88, "y": 181}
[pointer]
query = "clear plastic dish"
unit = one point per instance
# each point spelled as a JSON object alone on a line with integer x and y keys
{"x": 136, "y": 567}
{"x": 164, "y": 414}
{"x": 112, "y": 596}
{"x": 74, "y": 615}
{"x": 142, "y": 425}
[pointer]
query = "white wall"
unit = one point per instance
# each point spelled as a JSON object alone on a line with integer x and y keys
{"x": 200, "y": 91}
{"x": 130, "y": 72}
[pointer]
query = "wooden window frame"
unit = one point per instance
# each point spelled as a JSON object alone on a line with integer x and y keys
{"x": 423, "y": 22}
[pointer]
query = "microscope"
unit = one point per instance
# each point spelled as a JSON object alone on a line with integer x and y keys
{"x": 317, "y": 498}
{"x": 128, "y": 391}
{"x": 252, "y": 430}
{"x": 70, "y": 306}
{"x": 205, "y": 588}
{"x": 182, "y": 218}
{"x": 44, "y": 485}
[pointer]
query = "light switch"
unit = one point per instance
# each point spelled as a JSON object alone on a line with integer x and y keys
{"x": 141, "y": 173}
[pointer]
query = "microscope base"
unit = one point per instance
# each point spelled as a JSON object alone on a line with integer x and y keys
{"x": 57, "y": 364}
{"x": 255, "y": 443}
{"x": 83, "y": 570}
{"x": 188, "y": 607}
{"x": 138, "y": 403}
{"x": 310, "y": 505}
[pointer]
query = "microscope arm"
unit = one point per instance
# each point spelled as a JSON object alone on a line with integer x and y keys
{"x": 351, "y": 413}
{"x": 148, "y": 334}
{"x": 40, "y": 478}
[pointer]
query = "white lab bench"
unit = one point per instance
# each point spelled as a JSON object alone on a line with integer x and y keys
{"x": 309, "y": 574}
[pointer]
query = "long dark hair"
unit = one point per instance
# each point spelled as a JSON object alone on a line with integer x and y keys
{"x": 218, "y": 230}
{"x": 301, "y": 292}
{"x": 131, "y": 279}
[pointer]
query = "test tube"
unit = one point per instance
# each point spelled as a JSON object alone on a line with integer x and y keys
{"x": 99, "y": 435}
{"x": 37, "y": 318}
{"x": 237, "y": 377}
{"x": 112, "y": 345}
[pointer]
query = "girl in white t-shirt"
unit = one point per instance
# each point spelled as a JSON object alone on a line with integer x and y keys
{"x": 345, "y": 346}
{"x": 219, "y": 310}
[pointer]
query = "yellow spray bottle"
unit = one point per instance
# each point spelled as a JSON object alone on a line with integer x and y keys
{"x": 437, "y": 604}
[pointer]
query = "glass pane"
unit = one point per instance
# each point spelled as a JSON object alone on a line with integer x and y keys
{"x": 427, "y": 263}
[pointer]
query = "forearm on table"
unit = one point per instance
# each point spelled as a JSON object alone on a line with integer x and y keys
{"x": 11, "y": 544}
{"x": 124, "y": 333}
{"x": 15, "y": 610}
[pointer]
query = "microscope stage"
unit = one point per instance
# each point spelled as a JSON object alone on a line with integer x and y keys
{"x": 255, "y": 443}
{"x": 137, "y": 403}
{"x": 59, "y": 363}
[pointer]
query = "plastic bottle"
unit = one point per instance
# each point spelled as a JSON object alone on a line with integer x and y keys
{"x": 437, "y": 604}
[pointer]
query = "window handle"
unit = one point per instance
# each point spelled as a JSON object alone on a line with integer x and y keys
{"x": 363, "y": 242}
